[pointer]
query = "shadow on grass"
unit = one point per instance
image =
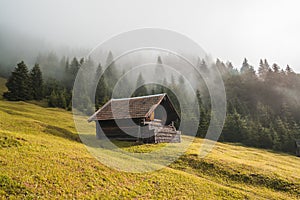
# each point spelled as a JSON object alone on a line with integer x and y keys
{"x": 88, "y": 139}
{"x": 282, "y": 153}
{"x": 91, "y": 140}
{"x": 202, "y": 166}
{"x": 61, "y": 132}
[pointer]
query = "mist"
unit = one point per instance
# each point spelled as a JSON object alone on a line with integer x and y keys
{"x": 230, "y": 30}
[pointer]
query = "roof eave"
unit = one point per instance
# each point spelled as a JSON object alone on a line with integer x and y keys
{"x": 91, "y": 118}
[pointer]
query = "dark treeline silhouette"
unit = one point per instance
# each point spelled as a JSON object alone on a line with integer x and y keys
{"x": 25, "y": 85}
{"x": 260, "y": 110}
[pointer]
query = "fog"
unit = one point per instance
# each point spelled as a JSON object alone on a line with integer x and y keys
{"x": 229, "y": 30}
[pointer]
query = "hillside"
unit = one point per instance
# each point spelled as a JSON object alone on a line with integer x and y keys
{"x": 41, "y": 156}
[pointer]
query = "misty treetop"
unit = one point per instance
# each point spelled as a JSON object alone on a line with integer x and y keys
{"x": 36, "y": 81}
{"x": 24, "y": 85}
{"x": 262, "y": 106}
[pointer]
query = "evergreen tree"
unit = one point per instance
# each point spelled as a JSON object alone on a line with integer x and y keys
{"x": 266, "y": 64}
{"x": 61, "y": 100}
{"x": 67, "y": 65}
{"x": 230, "y": 66}
{"x": 36, "y": 82}
{"x": 285, "y": 113}
{"x": 235, "y": 128}
{"x": 265, "y": 139}
{"x": 275, "y": 68}
{"x": 74, "y": 67}
{"x": 58, "y": 99}
{"x": 204, "y": 118}
{"x": 288, "y": 69}
{"x": 245, "y": 67}
{"x": 101, "y": 91}
{"x": 263, "y": 69}
{"x": 277, "y": 145}
{"x": 124, "y": 87}
{"x": 18, "y": 84}
{"x": 111, "y": 73}
{"x": 141, "y": 89}
{"x": 53, "y": 99}
{"x": 182, "y": 94}
{"x": 221, "y": 67}
{"x": 264, "y": 114}
{"x": 159, "y": 74}
{"x": 70, "y": 73}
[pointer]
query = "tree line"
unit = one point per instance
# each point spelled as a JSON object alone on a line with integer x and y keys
{"x": 260, "y": 109}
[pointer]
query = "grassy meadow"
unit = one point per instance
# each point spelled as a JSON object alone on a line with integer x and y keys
{"x": 41, "y": 156}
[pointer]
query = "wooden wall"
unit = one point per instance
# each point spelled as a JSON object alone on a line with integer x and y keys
{"x": 142, "y": 133}
{"x": 119, "y": 130}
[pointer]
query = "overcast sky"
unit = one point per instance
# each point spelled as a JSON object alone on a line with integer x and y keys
{"x": 227, "y": 29}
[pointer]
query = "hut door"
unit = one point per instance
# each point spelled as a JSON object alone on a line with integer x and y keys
{"x": 161, "y": 113}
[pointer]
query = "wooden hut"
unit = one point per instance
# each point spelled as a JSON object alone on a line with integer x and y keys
{"x": 297, "y": 142}
{"x": 149, "y": 119}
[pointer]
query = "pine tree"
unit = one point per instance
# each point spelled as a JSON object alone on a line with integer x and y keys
{"x": 275, "y": 68}
{"x": 266, "y": 64}
{"x": 70, "y": 73}
{"x": 53, "y": 99}
{"x": 141, "y": 89}
{"x": 263, "y": 69}
{"x": 221, "y": 67}
{"x": 111, "y": 74}
{"x": 235, "y": 128}
{"x": 18, "y": 84}
{"x": 181, "y": 91}
{"x": 36, "y": 82}
{"x": 264, "y": 114}
{"x": 67, "y": 66}
{"x": 74, "y": 67}
{"x": 124, "y": 86}
{"x": 245, "y": 67}
{"x": 285, "y": 113}
{"x": 204, "y": 118}
{"x": 265, "y": 139}
{"x": 58, "y": 98}
{"x": 277, "y": 145}
{"x": 61, "y": 100}
{"x": 159, "y": 74}
{"x": 283, "y": 132}
{"x": 288, "y": 69}
{"x": 230, "y": 66}
{"x": 101, "y": 91}
{"x": 295, "y": 130}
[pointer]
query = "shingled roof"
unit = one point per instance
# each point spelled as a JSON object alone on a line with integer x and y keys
{"x": 139, "y": 107}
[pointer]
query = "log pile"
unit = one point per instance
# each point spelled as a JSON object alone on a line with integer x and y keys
{"x": 163, "y": 133}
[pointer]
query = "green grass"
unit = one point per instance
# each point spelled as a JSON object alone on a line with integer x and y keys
{"x": 41, "y": 156}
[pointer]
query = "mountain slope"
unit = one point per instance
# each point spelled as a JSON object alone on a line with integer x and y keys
{"x": 42, "y": 156}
